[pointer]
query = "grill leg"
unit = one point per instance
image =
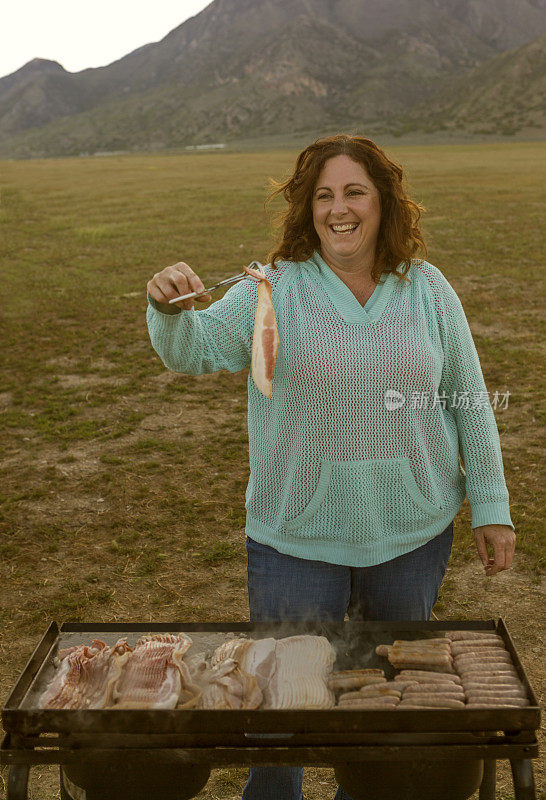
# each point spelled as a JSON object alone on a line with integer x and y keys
{"x": 524, "y": 782}
{"x": 487, "y": 786}
{"x": 18, "y": 782}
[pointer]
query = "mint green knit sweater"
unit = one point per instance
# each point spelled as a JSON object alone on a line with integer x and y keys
{"x": 354, "y": 460}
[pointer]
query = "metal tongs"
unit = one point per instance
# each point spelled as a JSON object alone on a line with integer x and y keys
{"x": 226, "y": 282}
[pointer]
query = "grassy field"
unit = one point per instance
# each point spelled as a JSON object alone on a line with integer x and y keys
{"x": 122, "y": 494}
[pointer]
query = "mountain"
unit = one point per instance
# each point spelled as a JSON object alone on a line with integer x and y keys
{"x": 38, "y": 93}
{"x": 244, "y": 68}
{"x": 505, "y": 95}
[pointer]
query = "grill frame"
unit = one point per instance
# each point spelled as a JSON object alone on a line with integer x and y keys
{"x": 37, "y": 722}
{"x": 298, "y": 737}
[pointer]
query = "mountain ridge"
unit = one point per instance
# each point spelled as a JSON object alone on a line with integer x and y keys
{"x": 252, "y": 67}
{"x": 506, "y": 93}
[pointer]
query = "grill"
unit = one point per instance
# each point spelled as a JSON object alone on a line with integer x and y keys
{"x": 421, "y": 753}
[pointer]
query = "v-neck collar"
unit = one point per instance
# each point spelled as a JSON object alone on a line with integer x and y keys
{"x": 345, "y": 301}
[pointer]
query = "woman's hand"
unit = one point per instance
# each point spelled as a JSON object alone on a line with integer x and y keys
{"x": 175, "y": 281}
{"x": 502, "y": 539}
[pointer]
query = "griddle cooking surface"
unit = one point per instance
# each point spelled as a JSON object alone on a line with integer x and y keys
{"x": 354, "y": 643}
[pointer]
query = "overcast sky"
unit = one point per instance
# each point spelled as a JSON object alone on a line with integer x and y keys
{"x": 81, "y": 35}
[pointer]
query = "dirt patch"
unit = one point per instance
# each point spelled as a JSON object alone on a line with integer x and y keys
{"x": 72, "y": 363}
{"x": 68, "y": 381}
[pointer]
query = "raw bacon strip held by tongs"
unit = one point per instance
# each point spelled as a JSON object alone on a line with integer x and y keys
{"x": 265, "y": 341}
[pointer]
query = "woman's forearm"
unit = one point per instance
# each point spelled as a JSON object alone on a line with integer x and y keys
{"x": 198, "y": 342}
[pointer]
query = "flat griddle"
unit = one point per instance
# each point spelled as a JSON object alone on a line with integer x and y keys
{"x": 414, "y": 749}
{"x": 354, "y": 643}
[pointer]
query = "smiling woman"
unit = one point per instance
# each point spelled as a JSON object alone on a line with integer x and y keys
{"x": 351, "y": 498}
{"x": 342, "y": 180}
{"x": 346, "y": 218}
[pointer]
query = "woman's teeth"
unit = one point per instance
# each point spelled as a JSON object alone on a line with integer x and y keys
{"x": 345, "y": 228}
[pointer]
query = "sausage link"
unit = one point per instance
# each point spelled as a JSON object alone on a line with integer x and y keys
{"x": 464, "y": 636}
{"x": 491, "y": 672}
{"x": 381, "y": 689}
{"x": 500, "y": 680}
{"x": 476, "y": 644}
{"x": 440, "y": 662}
{"x": 430, "y": 654}
{"x": 488, "y": 706}
{"x": 431, "y": 702}
{"x": 369, "y": 702}
{"x": 493, "y": 700}
{"x": 434, "y": 689}
{"x": 484, "y": 663}
{"x": 353, "y": 678}
{"x": 427, "y": 644}
{"x": 496, "y": 692}
{"x": 343, "y": 698}
{"x": 427, "y": 675}
{"x": 486, "y": 653}
{"x": 417, "y": 698}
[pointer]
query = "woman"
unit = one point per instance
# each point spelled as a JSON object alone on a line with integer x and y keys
{"x": 378, "y": 394}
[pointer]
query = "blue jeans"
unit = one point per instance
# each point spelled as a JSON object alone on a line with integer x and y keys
{"x": 282, "y": 587}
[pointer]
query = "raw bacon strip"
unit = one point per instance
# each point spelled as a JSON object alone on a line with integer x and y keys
{"x": 304, "y": 664}
{"x": 87, "y": 676}
{"x": 228, "y": 686}
{"x": 155, "y": 674}
{"x": 96, "y": 646}
{"x": 254, "y": 657}
{"x": 181, "y": 640}
{"x": 233, "y": 648}
{"x": 265, "y": 341}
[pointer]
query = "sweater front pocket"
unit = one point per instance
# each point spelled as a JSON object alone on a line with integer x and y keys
{"x": 362, "y": 501}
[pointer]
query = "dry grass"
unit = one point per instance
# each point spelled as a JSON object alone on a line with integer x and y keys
{"x": 123, "y": 484}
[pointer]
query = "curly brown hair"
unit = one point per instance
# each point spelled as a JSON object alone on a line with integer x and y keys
{"x": 399, "y": 233}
